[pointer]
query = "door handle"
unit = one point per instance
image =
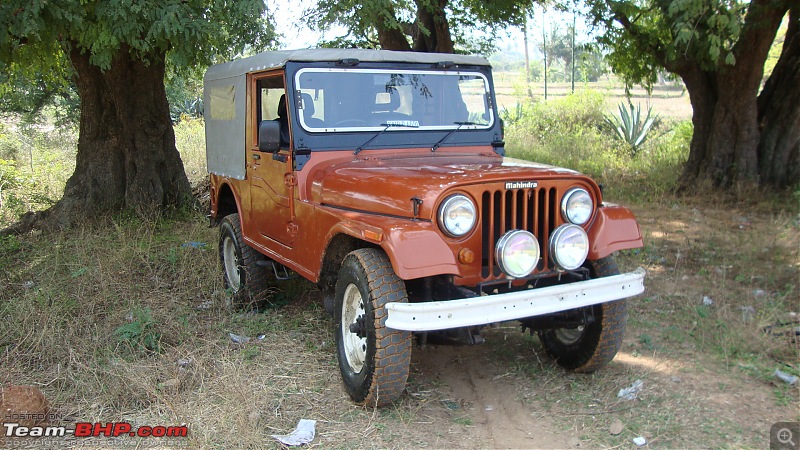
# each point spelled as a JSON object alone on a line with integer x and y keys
{"x": 255, "y": 156}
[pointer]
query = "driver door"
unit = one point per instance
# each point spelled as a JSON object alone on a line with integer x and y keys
{"x": 270, "y": 196}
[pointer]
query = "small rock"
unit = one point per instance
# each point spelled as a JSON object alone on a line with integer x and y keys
{"x": 184, "y": 362}
{"x": 28, "y": 284}
{"x": 675, "y": 379}
{"x": 707, "y": 301}
{"x": 616, "y": 427}
{"x": 489, "y": 408}
{"x": 758, "y": 293}
{"x": 238, "y": 339}
{"x": 640, "y": 441}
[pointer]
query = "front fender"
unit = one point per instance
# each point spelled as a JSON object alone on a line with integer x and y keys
{"x": 613, "y": 229}
{"x": 415, "y": 248}
{"x": 419, "y": 251}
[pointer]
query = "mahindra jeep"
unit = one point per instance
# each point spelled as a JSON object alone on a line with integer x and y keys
{"x": 381, "y": 176}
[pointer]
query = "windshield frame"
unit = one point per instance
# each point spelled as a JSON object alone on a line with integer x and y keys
{"x": 397, "y": 127}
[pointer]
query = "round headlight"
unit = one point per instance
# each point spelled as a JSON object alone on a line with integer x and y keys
{"x": 517, "y": 253}
{"x": 457, "y": 215}
{"x": 569, "y": 246}
{"x": 577, "y": 206}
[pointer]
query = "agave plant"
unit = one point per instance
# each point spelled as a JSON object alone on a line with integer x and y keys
{"x": 630, "y": 127}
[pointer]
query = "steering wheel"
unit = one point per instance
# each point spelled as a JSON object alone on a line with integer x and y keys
{"x": 350, "y": 122}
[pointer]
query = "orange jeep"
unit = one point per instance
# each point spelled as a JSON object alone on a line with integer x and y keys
{"x": 381, "y": 177}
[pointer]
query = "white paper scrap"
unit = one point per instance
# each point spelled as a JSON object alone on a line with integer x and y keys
{"x": 303, "y": 434}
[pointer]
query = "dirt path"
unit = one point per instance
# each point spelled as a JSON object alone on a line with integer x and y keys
{"x": 477, "y": 393}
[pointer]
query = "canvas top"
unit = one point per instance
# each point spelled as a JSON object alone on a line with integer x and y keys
{"x": 273, "y": 59}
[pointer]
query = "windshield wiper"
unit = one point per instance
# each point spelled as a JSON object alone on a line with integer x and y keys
{"x": 460, "y": 124}
{"x": 385, "y": 126}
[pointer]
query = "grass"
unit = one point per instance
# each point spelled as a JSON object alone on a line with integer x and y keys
{"x": 121, "y": 319}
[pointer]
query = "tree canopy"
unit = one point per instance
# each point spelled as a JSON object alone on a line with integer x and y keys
{"x": 116, "y": 54}
{"x": 442, "y": 26}
{"x": 743, "y": 133}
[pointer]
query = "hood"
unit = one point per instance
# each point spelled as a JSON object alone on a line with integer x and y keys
{"x": 386, "y": 185}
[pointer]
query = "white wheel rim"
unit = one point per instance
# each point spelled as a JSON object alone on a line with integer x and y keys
{"x": 355, "y": 347}
{"x": 231, "y": 263}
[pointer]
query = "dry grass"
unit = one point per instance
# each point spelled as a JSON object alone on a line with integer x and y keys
{"x": 121, "y": 320}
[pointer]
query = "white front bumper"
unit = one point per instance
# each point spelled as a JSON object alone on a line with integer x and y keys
{"x": 428, "y": 316}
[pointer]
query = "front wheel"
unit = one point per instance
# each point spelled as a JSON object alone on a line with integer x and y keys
{"x": 373, "y": 359}
{"x": 590, "y": 347}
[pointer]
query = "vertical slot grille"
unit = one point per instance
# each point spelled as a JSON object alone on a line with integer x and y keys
{"x": 533, "y": 210}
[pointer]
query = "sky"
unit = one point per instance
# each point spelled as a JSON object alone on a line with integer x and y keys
{"x": 295, "y": 35}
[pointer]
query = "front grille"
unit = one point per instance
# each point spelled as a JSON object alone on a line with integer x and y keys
{"x": 534, "y": 210}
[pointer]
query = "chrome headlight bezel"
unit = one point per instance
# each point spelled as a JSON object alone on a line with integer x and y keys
{"x": 577, "y": 206}
{"x": 517, "y": 238}
{"x": 569, "y": 246}
{"x": 447, "y": 222}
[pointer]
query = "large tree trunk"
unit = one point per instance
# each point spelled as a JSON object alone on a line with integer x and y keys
{"x": 432, "y": 16}
{"x": 779, "y": 114}
{"x": 728, "y": 147}
{"x": 126, "y": 147}
{"x": 391, "y": 38}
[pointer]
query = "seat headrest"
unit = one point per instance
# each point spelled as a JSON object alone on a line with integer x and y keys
{"x": 388, "y": 100}
{"x": 308, "y": 104}
{"x": 282, "y": 106}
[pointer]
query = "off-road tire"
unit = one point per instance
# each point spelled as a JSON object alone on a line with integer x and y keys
{"x": 385, "y": 356}
{"x": 600, "y": 341}
{"x": 253, "y": 279}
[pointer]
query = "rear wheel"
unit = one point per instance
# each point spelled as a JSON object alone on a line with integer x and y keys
{"x": 244, "y": 279}
{"x": 590, "y": 347}
{"x": 373, "y": 359}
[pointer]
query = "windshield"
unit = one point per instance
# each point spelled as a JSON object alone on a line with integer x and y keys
{"x": 372, "y": 99}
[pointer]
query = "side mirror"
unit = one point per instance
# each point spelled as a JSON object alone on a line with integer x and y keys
{"x": 269, "y": 136}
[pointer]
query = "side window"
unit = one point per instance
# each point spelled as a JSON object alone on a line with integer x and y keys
{"x": 271, "y": 105}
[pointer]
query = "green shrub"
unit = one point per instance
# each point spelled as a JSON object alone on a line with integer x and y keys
{"x": 571, "y": 132}
{"x": 630, "y": 127}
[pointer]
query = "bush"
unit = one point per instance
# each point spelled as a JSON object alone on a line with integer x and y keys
{"x": 571, "y": 132}
{"x": 35, "y": 163}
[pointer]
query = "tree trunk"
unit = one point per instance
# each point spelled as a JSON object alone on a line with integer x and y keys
{"x": 391, "y": 38}
{"x": 432, "y": 16}
{"x": 779, "y": 114}
{"x": 728, "y": 146}
{"x": 126, "y": 147}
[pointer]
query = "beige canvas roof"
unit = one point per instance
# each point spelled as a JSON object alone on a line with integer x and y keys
{"x": 273, "y": 59}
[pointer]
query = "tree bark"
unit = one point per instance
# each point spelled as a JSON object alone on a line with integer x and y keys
{"x": 728, "y": 125}
{"x": 779, "y": 114}
{"x": 432, "y": 16}
{"x": 126, "y": 146}
{"x": 391, "y": 38}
